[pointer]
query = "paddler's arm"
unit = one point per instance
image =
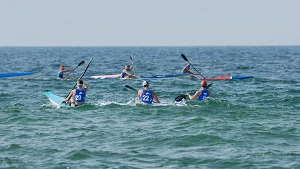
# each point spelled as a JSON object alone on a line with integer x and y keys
{"x": 195, "y": 96}
{"x": 128, "y": 74}
{"x": 195, "y": 73}
{"x": 191, "y": 72}
{"x": 64, "y": 71}
{"x": 155, "y": 97}
{"x": 69, "y": 96}
{"x": 139, "y": 94}
{"x": 85, "y": 87}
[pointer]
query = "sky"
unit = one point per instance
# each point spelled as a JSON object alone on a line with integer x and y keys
{"x": 149, "y": 22}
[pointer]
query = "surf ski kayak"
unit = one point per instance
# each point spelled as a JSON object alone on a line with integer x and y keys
{"x": 20, "y": 75}
{"x": 106, "y": 76}
{"x": 226, "y": 77}
{"x": 54, "y": 99}
{"x": 175, "y": 103}
{"x": 181, "y": 103}
{"x": 165, "y": 76}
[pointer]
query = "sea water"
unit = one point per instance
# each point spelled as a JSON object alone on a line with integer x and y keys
{"x": 250, "y": 123}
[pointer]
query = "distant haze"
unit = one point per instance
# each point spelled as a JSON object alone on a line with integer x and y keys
{"x": 149, "y": 22}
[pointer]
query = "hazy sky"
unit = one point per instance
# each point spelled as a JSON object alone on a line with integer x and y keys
{"x": 149, "y": 22}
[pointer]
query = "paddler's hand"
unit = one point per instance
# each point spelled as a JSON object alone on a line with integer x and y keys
{"x": 65, "y": 101}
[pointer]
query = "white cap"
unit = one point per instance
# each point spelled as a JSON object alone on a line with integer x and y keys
{"x": 145, "y": 83}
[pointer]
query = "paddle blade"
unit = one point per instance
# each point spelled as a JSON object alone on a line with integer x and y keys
{"x": 131, "y": 57}
{"x": 81, "y": 63}
{"x": 184, "y": 57}
{"x": 131, "y": 88}
{"x": 180, "y": 97}
{"x": 208, "y": 86}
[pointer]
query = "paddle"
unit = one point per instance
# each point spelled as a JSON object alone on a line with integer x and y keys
{"x": 79, "y": 64}
{"x": 131, "y": 58}
{"x": 184, "y": 57}
{"x": 183, "y": 96}
{"x": 80, "y": 77}
{"x": 129, "y": 87}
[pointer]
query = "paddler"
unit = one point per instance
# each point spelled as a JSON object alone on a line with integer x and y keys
{"x": 186, "y": 70}
{"x": 146, "y": 95}
{"x": 202, "y": 93}
{"x": 61, "y": 72}
{"x": 125, "y": 73}
{"x": 77, "y": 96}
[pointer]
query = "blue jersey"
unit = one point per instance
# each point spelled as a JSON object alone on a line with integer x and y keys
{"x": 204, "y": 94}
{"x": 79, "y": 95}
{"x": 146, "y": 96}
{"x": 187, "y": 69}
{"x": 123, "y": 74}
{"x": 60, "y": 75}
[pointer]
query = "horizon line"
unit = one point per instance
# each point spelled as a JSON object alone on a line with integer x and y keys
{"x": 154, "y": 46}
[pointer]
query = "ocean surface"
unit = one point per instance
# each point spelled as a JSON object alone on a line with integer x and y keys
{"x": 250, "y": 123}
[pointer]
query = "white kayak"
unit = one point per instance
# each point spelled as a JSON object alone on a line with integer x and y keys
{"x": 181, "y": 103}
{"x": 116, "y": 76}
{"x": 176, "y": 103}
{"x": 106, "y": 76}
{"x": 165, "y": 75}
